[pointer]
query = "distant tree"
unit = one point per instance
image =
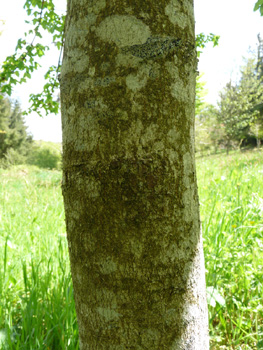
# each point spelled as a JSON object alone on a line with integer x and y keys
{"x": 44, "y": 155}
{"x": 209, "y": 133}
{"x": 18, "y": 135}
{"x": 257, "y": 128}
{"x": 250, "y": 87}
{"x": 235, "y": 128}
{"x": 5, "y": 109}
{"x": 13, "y": 133}
{"x": 236, "y": 105}
{"x": 250, "y": 95}
{"x": 259, "y": 67}
{"x": 200, "y": 93}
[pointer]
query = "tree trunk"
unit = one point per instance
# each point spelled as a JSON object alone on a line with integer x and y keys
{"x": 258, "y": 143}
{"x": 129, "y": 179}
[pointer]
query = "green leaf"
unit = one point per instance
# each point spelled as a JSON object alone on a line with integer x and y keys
{"x": 27, "y": 75}
{"x": 202, "y": 39}
{"x": 259, "y": 6}
{"x": 20, "y": 65}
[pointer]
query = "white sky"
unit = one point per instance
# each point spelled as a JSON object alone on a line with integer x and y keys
{"x": 233, "y": 20}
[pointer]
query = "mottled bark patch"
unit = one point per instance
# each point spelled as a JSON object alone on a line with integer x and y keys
{"x": 129, "y": 184}
{"x": 133, "y": 31}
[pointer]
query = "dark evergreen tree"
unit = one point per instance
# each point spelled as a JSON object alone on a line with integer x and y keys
{"x": 13, "y": 131}
{"x": 237, "y": 112}
{"x": 5, "y": 109}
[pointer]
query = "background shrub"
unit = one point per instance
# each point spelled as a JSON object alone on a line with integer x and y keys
{"x": 45, "y": 155}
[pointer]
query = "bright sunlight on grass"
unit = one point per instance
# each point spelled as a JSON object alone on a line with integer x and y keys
{"x": 36, "y": 297}
{"x": 231, "y": 204}
{"x": 36, "y": 300}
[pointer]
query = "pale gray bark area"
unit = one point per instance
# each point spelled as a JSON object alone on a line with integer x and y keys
{"x": 129, "y": 183}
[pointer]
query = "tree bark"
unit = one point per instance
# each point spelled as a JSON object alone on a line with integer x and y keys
{"x": 129, "y": 178}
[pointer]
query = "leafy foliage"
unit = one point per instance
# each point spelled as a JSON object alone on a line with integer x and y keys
{"x": 202, "y": 40}
{"x": 259, "y": 6}
{"x": 17, "y": 68}
{"x": 45, "y": 155}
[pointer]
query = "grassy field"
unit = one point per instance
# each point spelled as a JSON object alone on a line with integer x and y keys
{"x": 36, "y": 299}
{"x": 231, "y": 204}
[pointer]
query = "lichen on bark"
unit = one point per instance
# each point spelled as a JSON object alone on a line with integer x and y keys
{"x": 129, "y": 183}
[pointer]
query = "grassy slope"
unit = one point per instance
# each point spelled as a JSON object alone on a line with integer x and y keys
{"x": 36, "y": 300}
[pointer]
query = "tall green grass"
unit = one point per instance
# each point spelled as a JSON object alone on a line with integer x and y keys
{"x": 231, "y": 204}
{"x": 36, "y": 298}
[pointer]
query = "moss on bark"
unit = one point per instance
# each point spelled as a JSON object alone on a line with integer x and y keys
{"x": 129, "y": 184}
